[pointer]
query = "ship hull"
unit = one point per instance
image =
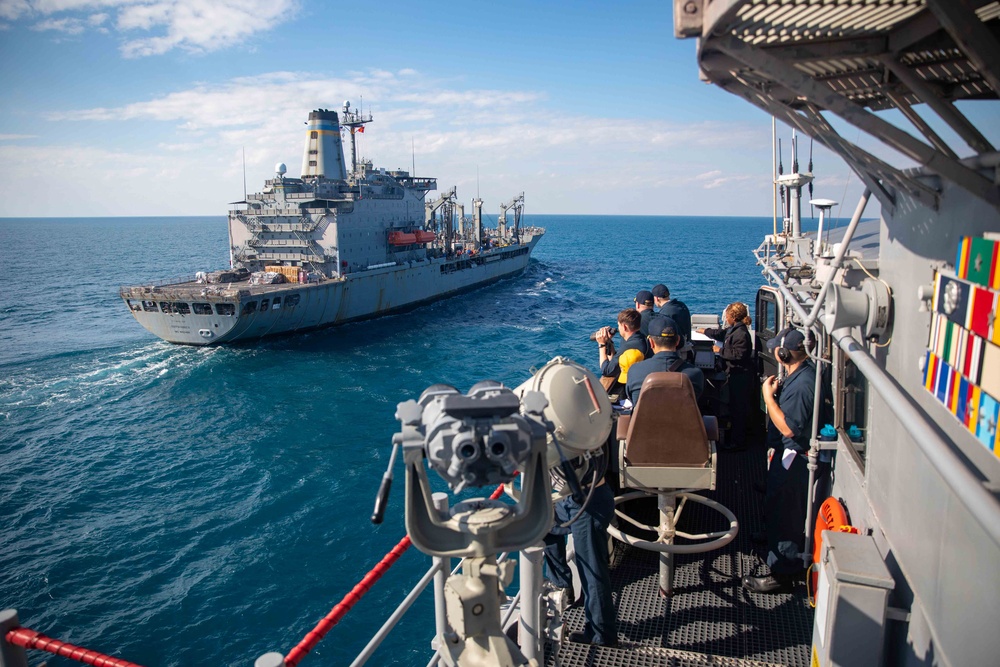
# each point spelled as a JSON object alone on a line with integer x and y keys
{"x": 364, "y": 295}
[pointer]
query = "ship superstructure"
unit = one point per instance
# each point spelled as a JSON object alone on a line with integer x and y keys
{"x": 904, "y": 311}
{"x": 334, "y": 245}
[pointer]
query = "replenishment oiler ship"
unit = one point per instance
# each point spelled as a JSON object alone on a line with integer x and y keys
{"x": 334, "y": 246}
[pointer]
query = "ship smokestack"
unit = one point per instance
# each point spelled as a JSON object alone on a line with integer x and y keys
{"x": 323, "y": 154}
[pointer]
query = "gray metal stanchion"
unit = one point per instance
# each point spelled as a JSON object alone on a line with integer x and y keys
{"x": 530, "y": 634}
{"x": 440, "y": 614}
{"x": 10, "y": 655}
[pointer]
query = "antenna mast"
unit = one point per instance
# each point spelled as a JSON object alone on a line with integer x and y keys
{"x": 355, "y": 121}
{"x": 244, "y": 174}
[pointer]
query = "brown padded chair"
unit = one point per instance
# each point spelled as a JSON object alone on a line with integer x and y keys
{"x": 668, "y": 449}
{"x": 668, "y": 444}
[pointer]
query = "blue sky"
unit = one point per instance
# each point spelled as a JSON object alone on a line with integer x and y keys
{"x": 145, "y": 107}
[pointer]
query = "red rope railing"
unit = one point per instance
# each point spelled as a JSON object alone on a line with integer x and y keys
{"x": 30, "y": 639}
{"x": 339, "y": 610}
{"x": 312, "y": 637}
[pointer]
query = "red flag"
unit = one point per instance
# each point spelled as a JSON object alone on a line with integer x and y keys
{"x": 361, "y": 129}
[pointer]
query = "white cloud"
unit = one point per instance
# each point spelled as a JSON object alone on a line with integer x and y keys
{"x": 11, "y": 10}
{"x": 70, "y": 26}
{"x": 717, "y": 178}
{"x": 192, "y": 25}
{"x": 564, "y": 162}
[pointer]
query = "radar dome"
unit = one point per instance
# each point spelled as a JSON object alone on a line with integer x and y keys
{"x": 280, "y": 169}
{"x": 347, "y": 105}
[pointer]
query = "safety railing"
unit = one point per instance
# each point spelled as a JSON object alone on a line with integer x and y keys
{"x": 14, "y": 639}
{"x": 313, "y": 637}
{"x": 124, "y": 290}
{"x": 968, "y": 489}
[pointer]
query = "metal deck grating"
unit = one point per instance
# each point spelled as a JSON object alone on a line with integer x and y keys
{"x": 711, "y": 619}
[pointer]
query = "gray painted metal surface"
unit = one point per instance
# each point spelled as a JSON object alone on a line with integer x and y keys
{"x": 921, "y": 485}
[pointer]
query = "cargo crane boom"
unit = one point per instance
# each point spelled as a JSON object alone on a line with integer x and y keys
{"x": 517, "y": 203}
{"x": 447, "y": 202}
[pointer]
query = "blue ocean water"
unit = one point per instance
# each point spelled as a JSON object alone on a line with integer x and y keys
{"x": 186, "y": 506}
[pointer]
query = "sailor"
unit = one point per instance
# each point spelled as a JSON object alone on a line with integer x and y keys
{"x": 615, "y": 365}
{"x": 736, "y": 353}
{"x": 665, "y": 340}
{"x": 674, "y": 309}
{"x": 644, "y": 304}
{"x": 790, "y": 408}
{"x": 590, "y": 544}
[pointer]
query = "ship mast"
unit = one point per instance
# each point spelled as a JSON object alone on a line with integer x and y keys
{"x": 355, "y": 120}
{"x": 793, "y": 183}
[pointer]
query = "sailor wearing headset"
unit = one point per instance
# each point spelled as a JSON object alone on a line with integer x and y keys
{"x": 789, "y": 407}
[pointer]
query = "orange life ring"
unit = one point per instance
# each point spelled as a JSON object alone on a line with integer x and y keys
{"x": 831, "y": 516}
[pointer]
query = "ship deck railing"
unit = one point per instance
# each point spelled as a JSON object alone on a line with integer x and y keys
{"x": 163, "y": 282}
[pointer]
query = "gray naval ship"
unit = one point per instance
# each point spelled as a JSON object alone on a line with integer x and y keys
{"x": 333, "y": 246}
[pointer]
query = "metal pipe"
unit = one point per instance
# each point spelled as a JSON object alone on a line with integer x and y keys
{"x": 529, "y": 633}
{"x": 774, "y": 175}
{"x": 813, "y": 464}
{"x": 515, "y": 604}
{"x": 440, "y": 500}
{"x": 818, "y": 247}
{"x": 969, "y": 489}
{"x": 391, "y": 622}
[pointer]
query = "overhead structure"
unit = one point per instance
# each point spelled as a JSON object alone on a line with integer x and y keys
{"x": 808, "y": 61}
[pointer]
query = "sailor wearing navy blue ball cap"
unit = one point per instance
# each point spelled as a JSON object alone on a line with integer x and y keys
{"x": 664, "y": 337}
{"x": 675, "y": 309}
{"x": 790, "y": 410}
{"x": 644, "y": 304}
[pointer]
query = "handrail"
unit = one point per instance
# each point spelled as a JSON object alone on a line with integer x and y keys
{"x": 341, "y": 608}
{"x": 969, "y": 489}
{"x": 396, "y": 615}
{"x": 31, "y": 639}
{"x": 163, "y": 282}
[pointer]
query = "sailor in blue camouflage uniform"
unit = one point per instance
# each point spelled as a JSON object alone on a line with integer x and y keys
{"x": 790, "y": 409}
{"x": 665, "y": 339}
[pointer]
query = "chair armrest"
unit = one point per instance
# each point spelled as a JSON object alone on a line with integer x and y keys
{"x": 711, "y": 427}
{"x": 623, "y": 423}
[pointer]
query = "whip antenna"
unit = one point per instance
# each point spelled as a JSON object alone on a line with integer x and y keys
{"x": 812, "y": 213}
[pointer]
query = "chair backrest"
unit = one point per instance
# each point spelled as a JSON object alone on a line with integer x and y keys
{"x": 666, "y": 428}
